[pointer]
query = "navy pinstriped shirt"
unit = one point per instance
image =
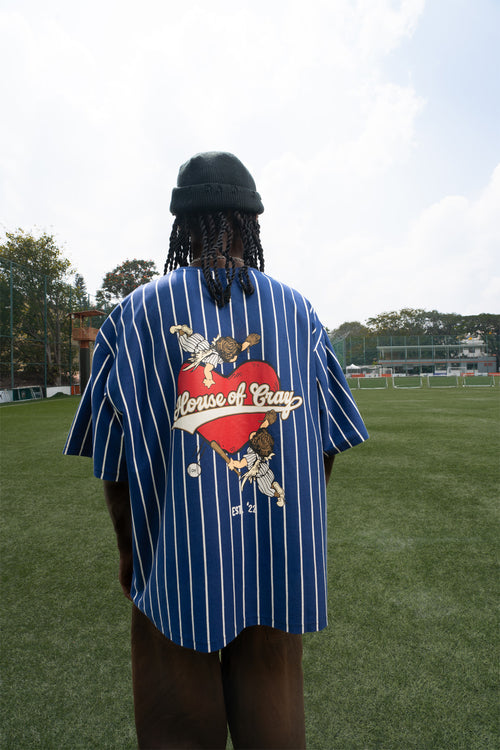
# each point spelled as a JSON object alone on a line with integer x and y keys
{"x": 219, "y": 419}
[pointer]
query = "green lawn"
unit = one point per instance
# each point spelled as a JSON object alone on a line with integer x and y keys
{"x": 410, "y": 657}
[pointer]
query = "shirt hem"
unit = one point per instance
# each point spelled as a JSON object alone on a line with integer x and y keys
{"x": 205, "y": 647}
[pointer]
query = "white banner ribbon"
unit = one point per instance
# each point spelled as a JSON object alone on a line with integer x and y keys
{"x": 192, "y": 422}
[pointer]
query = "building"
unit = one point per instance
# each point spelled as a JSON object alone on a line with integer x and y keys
{"x": 426, "y": 354}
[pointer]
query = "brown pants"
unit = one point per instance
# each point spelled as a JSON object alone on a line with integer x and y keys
{"x": 186, "y": 699}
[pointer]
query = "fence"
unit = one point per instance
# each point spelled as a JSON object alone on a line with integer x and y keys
{"x": 403, "y": 382}
{"x": 36, "y": 347}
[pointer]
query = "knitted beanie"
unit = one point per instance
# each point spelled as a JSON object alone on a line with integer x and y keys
{"x": 215, "y": 181}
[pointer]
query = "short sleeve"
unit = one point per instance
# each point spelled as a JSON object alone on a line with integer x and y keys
{"x": 341, "y": 424}
{"x": 97, "y": 429}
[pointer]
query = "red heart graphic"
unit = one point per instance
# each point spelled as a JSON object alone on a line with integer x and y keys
{"x": 233, "y": 431}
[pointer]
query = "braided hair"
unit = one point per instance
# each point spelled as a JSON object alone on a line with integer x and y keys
{"x": 217, "y": 231}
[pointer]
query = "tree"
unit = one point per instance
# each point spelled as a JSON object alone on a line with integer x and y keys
{"x": 81, "y": 293}
{"x": 405, "y": 322}
{"x": 36, "y": 295}
{"x": 123, "y": 279}
{"x": 418, "y": 322}
{"x": 352, "y": 328}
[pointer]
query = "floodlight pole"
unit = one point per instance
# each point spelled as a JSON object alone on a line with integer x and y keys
{"x": 11, "y": 329}
{"x": 45, "y": 342}
{"x": 70, "y": 357}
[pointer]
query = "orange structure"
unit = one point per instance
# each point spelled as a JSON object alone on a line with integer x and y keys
{"x": 84, "y": 333}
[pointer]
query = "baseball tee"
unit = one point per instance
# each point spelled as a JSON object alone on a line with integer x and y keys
{"x": 219, "y": 418}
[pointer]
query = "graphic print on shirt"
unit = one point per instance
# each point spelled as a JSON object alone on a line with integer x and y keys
{"x": 231, "y": 411}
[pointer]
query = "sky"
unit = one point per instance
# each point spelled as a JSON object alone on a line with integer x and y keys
{"x": 371, "y": 127}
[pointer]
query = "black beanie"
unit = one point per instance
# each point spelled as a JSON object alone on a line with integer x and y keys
{"x": 215, "y": 181}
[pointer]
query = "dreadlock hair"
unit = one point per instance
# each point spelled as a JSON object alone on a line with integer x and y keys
{"x": 217, "y": 231}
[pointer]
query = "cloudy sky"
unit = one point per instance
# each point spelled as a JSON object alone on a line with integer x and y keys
{"x": 372, "y": 128}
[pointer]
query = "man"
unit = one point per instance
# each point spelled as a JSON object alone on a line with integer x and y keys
{"x": 223, "y": 578}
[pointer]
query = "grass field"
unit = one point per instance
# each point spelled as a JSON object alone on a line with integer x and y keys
{"x": 410, "y": 658}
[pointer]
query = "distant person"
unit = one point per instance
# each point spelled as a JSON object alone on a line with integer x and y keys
{"x": 214, "y": 412}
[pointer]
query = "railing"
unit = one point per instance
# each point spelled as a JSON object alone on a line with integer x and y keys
{"x": 84, "y": 334}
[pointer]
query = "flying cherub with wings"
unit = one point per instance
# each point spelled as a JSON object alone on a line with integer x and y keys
{"x": 202, "y": 352}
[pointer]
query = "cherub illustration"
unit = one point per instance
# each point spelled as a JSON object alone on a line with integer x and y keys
{"x": 256, "y": 459}
{"x": 222, "y": 349}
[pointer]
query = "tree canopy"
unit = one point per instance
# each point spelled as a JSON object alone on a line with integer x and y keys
{"x": 350, "y": 328}
{"x": 123, "y": 279}
{"x": 38, "y": 253}
{"x": 418, "y": 322}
